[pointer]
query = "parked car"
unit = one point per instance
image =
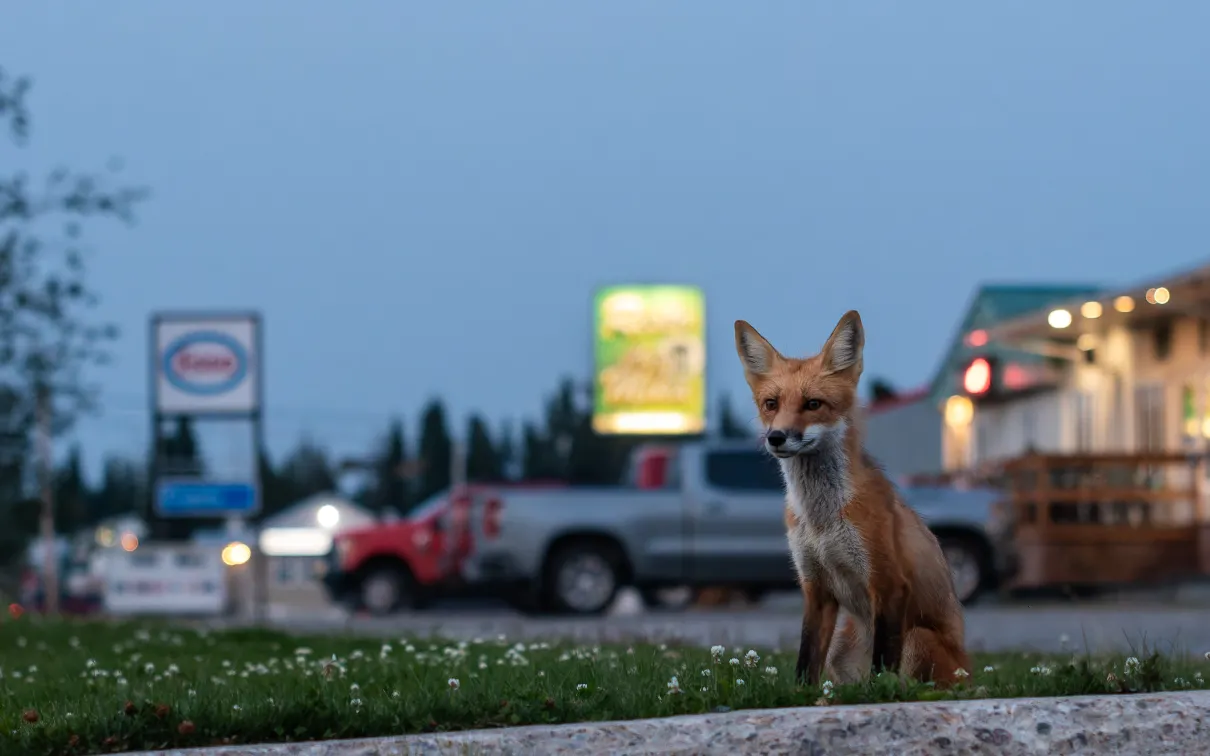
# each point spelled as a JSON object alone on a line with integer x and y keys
{"x": 393, "y": 565}
{"x": 703, "y": 514}
{"x": 407, "y": 563}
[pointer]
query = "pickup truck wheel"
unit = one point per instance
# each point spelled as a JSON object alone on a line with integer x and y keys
{"x": 583, "y": 578}
{"x": 385, "y": 590}
{"x": 968, "y": 566}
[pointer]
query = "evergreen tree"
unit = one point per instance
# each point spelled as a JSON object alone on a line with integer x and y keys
{"x": 506, "y": 450}
{"x": 483, "y": 463}
{"x": 179, "y": 453}
{"x": 562, "y": 427}
{"x": 730, "y": 426}
{"x": 539, "y": 460}
{"x": 72, "y": 511}
{"x": 390, "y": 488}
{"x": 881, "y": 390}
{"x": 275, "y": 493}
{"x": 121, "y": 489}
{"x": 306, "y": 472}
{"x": 435, "y": 452}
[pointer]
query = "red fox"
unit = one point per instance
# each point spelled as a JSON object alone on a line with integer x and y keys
{"x": 860, "y": 552}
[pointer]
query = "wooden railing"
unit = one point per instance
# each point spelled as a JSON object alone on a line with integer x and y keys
{"x": 1107, "y": 518}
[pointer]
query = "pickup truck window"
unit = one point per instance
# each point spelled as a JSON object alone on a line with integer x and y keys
{"x": 743, "y": 471}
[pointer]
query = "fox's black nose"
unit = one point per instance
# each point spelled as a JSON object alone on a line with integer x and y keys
{"x": 776, "y": 438}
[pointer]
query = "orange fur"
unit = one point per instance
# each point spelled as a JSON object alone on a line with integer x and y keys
{"x": 857, "y": 547}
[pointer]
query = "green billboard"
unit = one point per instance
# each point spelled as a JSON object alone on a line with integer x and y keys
{"x": 650, "y": 353}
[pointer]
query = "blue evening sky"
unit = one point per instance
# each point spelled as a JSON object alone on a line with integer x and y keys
{"x": 422, "y": 197}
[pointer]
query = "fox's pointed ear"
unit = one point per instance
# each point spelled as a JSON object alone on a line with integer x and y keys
{"x": 845, "y": 345}
{"x": 755, "y": 352}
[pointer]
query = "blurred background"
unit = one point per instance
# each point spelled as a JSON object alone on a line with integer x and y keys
{"x": 313, "y": 312}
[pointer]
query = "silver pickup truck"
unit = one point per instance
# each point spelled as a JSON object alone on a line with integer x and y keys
{"x": 711, "y": 516}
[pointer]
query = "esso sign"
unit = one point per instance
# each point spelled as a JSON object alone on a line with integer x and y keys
{"x": 205, "y": 363}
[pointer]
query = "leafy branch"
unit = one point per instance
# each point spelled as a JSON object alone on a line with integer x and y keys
{"x": 48, "y": 338}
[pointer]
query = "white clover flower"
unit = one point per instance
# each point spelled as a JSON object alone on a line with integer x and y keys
{"x": 674, "y": 686}
{"x": 771, "y": 671}
{"x": 716, "y": 653}
{"x": 961, "y": 673}
{"x": 989, "y": 668}
{"x": 739, "y": 681}
{"x": 827, "y": 688}
{"x": 1132, "y": 664}
{"x": 733, "y": 662}
{"x": 705, "y": 673}
{"x": 751, "y": 659}
{"x": 581, "y": 686}
{"x": 454, "y": 684}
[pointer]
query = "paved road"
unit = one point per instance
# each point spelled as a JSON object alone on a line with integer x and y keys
{"x": 1039, "y": 627}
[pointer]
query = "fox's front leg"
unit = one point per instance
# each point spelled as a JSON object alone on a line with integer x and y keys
{"x": 888, "y": 633}
{"x": 818, "y": 624}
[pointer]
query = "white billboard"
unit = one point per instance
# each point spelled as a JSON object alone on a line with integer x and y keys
{"x": 206, "y": 364}
{"x": 165, "y": 579}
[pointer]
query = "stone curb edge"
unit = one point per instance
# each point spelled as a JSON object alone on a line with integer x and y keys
{"x": 1159, "y": 723}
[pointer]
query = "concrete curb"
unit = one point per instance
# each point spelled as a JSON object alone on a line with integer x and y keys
{"x": 1166, "y": 723}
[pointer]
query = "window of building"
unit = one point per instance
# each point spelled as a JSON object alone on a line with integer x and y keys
{"x": 1189, "y": 414}
{"x": 285, "y": 570}
{"x": 1084, "y": 420}
{"x": 1149, "y": 417}
{"x": 1029, "y": 425}
{"x": 1117, "y": 416}
{"x": 1161, "y": 339}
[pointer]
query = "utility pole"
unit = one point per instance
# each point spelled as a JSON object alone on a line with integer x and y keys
{"x": 46, "y": 520}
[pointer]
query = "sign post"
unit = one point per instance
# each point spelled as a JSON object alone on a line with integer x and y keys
{"x": 209, "y": 366}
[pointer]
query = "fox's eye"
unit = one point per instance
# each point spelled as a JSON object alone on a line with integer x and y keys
{"x": 812, "y": 404}
{"x": 770, "y": 405}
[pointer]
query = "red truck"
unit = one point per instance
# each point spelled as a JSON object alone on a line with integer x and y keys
{"x": 408, "y": 563}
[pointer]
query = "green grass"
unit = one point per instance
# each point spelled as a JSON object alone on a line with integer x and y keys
{"x": 79, "y": 688}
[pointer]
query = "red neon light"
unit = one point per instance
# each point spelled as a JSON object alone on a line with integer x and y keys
{"x": 978, "y": 377}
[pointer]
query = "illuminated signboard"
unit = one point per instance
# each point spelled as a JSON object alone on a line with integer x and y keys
{"x": 650, "y": 353}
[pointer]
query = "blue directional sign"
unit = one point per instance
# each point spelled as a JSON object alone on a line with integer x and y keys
{"x": 198, "y": 498}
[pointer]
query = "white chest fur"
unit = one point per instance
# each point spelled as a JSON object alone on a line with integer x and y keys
{"x": 826, "y": 548}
